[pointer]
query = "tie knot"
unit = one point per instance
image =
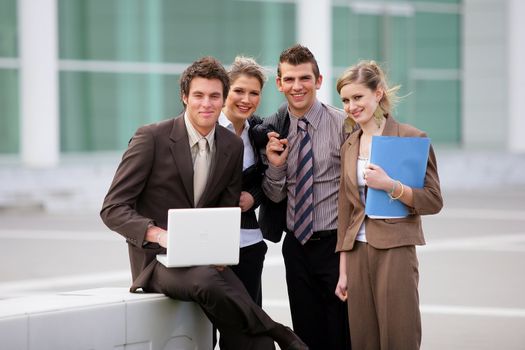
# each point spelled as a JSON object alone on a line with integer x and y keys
{"x": 302, "y": 124}
{"x": 202, "y": 145}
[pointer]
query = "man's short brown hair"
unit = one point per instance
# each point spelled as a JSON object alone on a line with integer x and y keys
{"x": 206, "y": 67}
{"x": 297, "y": 55}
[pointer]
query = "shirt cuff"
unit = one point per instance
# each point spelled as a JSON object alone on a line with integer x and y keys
{"x": 150, "y": 224}
{"x": 276, "y": 172}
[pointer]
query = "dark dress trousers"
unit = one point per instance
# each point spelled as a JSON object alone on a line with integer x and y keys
{"x": 251, "y": 258}
{"x": 156, "y": 174}
{"x": 312, "y": 269}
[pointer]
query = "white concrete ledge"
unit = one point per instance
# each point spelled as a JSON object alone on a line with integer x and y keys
{"x": 102, "y": 319}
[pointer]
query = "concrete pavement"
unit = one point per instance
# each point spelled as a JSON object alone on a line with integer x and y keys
{"x": 471, "y": 271}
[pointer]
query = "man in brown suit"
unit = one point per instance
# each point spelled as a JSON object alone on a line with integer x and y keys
{"x": 156, "y": 174}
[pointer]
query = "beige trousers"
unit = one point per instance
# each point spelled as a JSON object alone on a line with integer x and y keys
{"x": 383, "y": 299}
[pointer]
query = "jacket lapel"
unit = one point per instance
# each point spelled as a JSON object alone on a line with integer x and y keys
{"x": 391, "y": 127}
{"x": 351, "y": 161}
{"x": 180, "y": 150}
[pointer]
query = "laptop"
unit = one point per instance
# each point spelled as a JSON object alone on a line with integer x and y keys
{"x": 202, "y": 236}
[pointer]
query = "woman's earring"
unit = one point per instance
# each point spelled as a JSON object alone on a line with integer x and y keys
{"x": 379, "y": 115}
{"x": 349, "y": 125}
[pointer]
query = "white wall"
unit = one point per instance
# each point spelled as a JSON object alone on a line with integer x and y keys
{"x": 516, "y": 74}
{"x": 314, "y": 30}
{"x": 39, "y": 109}
{"x": 485, "y": 109}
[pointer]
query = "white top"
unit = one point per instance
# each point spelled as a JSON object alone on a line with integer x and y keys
{"x": 361, "y": 164}
{"x": 248, "y": 236}
{"x": 249, "y": 155}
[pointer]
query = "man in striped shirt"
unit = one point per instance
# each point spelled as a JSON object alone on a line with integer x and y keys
{"x": 314, "y": 140}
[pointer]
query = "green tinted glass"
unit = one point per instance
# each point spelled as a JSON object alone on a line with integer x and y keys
{"x": 9, "y": 114}
{"x": 437, "y": 42}
{"x": 355, "y": 37}
{"x": 8, "y": 30}
{"x": 174, "y": 31}
{"x": 437, "y": 109}
{"x": 102, "y": 111}
{"x": 436, "y": 1}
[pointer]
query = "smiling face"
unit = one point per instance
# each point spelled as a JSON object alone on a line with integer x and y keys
{"x": 243, "y": 98}
{"x": 359, "y": 102}
{"x": 299, "y": 86}
{"x": 203, "y": 103}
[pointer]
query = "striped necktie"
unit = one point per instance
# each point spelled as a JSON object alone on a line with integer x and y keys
{"x": 304, "y": 204}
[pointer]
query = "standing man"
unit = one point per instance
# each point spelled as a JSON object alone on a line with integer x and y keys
{"x": 304, "y": 167}
{"x": 189, "y": 162}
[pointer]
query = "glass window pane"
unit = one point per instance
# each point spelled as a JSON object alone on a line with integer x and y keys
{"x": 437, "y": 109}
{"x": 398, "y": 58}
{"x": 102, "y": 111}
{"x": 344, "y": 38}
{"x": 173, "y": 31}
{"x": 437, "y": 1}
{"x": 9, "y": 114}
{"x": 8, "y": 30}
{"x": 355, "y": 37}
{"x": 437, "y": 38}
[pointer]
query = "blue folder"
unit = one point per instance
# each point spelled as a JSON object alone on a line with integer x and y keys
{"x": 404, "y": 159}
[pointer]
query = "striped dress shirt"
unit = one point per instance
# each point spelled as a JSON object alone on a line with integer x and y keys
{"x": 327, "y": 134}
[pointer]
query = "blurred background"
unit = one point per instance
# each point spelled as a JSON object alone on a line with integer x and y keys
{"x": 77, "y": 77}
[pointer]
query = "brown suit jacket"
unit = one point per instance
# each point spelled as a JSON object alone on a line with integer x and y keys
{"x": 384, "y": 233}
{"x": 156, "y": 174}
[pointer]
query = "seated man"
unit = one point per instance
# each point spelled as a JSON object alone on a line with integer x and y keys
{"x": 186, "y": 162}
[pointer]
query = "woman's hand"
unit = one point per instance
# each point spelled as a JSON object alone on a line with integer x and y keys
{"x": 376, "y": 177}
{"x": 246, "y": 201}
{"x": 341, "y": 288}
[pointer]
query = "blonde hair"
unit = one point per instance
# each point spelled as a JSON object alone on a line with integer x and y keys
{"x": 370, "y": 74}
{"x": 243, "y": 65}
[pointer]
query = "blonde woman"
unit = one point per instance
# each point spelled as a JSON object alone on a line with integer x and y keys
{"x": 246, "y": 82}
{"x": 378, "y": 263}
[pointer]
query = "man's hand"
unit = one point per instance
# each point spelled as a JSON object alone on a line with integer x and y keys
{"x": 276, "y": 149}
{"x": 246, "y": 201}
{"x": 157, "y": 235}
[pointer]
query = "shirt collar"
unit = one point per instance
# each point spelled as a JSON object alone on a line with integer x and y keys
{"x": 224, "y": 121}
{"x": 194, "y": 136}
{"x": 313, "y": 116}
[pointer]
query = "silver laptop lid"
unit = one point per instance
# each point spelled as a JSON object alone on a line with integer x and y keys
{"x": 203, "y": 236}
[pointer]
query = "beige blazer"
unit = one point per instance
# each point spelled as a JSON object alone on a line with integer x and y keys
{"x": 156, "y": 174}
{"x": 383, "y": 233}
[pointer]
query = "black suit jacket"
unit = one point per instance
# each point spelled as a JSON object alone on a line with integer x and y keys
{"x": 272, "y": 216}
{"x": 252, "y": 179}
{"x": 156, "y": 174}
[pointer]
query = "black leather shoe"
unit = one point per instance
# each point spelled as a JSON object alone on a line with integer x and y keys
{"x": 297, "y": 345}
{"x": 287, "y": 339}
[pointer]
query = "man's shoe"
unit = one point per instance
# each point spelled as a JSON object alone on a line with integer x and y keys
{"x": 287, "y": 339}
{"x": 297, "y": 345}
